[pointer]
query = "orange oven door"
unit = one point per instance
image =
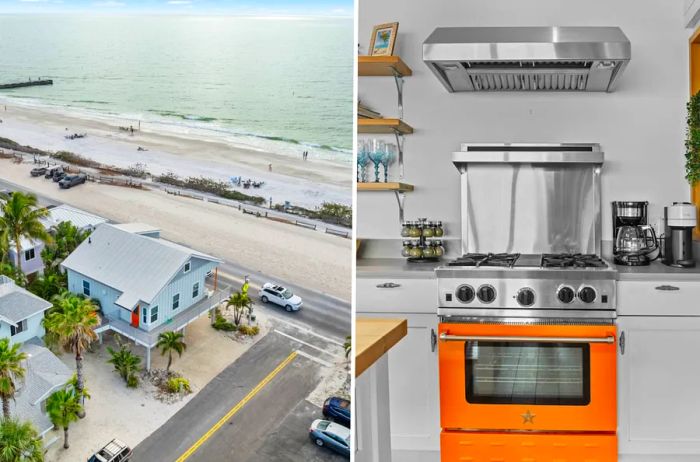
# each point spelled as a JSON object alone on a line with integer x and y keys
{"x": 527, "y": 377}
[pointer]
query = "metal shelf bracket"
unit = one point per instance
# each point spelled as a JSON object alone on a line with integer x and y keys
{"x": 398, "y": 79}
{"x": 400, "y": 198}
{"x": 400, "y": 138}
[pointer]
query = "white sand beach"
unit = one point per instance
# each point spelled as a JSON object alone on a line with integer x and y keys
{"x": 185, "y": 152}
{"x": 302, "y": 256}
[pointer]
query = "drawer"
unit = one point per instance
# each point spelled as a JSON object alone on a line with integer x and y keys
{"x": 649, "y": 298}
{"x": 396, "y": 295}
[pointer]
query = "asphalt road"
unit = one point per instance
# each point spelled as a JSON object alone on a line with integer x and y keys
{"x": 272, "y": 422}
{"x": 321, "y": 312}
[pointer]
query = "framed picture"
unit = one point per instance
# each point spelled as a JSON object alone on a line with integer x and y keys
{"x": 383, "y": 39}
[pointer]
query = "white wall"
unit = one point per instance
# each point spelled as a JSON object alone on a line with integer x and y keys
{"x": 640, "y": 126}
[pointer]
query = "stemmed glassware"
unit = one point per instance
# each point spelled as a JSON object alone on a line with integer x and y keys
{"x": 363, "y": 148}
{"x": 376, "y": 155}
{"x": 388, "y": 159}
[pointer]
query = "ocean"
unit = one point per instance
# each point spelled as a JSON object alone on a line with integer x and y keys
{"x": 275, "y": 84}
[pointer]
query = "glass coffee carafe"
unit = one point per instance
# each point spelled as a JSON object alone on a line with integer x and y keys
{"x": 636, "y": 240}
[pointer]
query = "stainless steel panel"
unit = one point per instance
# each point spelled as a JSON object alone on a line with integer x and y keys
{"x": 541, "y": 200}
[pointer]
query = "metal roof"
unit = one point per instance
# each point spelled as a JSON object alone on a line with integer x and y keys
{"x": 138, "y": 228}
{"x": 137, "y": 266}
{"x": 17, "y": 303}
{"x": 80, "y": 218}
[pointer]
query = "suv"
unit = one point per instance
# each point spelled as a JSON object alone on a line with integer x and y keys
{"x": 331, "y": 435}
{"x": 69, "y": 181}
{"x": 337, "y": 409}
{"x": 53, "y": 171}
{"x": 281, "y": 296}
{"x": 114, "y": 451}
{"x": 38, "y": 171}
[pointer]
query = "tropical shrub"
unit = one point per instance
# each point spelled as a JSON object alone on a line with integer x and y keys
{"x": 249, "y": 330}
{"x": 241, "y": 304}
{"x": 20, "y": 442}
{"x": 222, "y": 323}
{"x": 178, "y": 385}
{"x": 126, "y": 364}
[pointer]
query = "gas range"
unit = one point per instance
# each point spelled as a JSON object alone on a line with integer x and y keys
{"x": 552, "y": 285}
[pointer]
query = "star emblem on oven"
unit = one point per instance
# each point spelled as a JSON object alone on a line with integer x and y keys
{"x": 528, "y": 417}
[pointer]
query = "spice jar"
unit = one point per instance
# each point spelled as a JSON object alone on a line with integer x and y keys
{"x": 405, "y": 227}
{"x": 429, "y": 229}
{"x": 414, "y": 230}
{"x": 406, "y": 250}
{"x": 439, "y": 231}
{"x": 439, "y": 249}
{"x": 416, "y": 252}
{"x": 429, "y": 251}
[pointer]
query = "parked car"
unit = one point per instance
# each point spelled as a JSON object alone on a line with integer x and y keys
{"x": 338, "y": 410}
{"x": 281, "y": 296}
{"x": 52, "y": 171}
{"x": 331, "y": 435}
{"x": 114, "y": 451}
{"x": 39, "y": 171}
{"x": 69, "y": 181}
{"x": 58, "y": 176}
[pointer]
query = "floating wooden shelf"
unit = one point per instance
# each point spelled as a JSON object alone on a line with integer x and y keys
{"x": 398, "y": 187}
{"x": 378, "y": 126}
{"x": 382, "y": 66}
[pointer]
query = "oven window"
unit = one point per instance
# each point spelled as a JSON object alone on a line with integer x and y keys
{"x": 528, "y": 373}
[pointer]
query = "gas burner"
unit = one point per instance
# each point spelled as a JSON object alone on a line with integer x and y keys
{"x": 572, "y": 260}
{"x": 486, "y": 259}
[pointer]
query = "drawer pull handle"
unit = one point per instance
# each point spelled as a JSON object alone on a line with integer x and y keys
{"x": 388, "y": 285}
{"x": 667, "y": 288}
{"x": 444, "y": 337}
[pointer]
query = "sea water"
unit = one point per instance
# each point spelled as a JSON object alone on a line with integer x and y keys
{"x": 276, "y": 84}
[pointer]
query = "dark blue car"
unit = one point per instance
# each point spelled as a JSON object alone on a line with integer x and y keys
{"x": 338, "y": 410}
{"x": 325, "y": 433}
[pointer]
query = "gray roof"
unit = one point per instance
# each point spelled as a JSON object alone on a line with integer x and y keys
{"x": 17, "y": 303}
{"x": 45, "y": 373}
{"x": 138, "y": 228}
{"x": 137, "y": 266}
{"x": 79, "y": 218}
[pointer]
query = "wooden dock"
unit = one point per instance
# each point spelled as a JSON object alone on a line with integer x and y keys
{"x": 29, "y": 83}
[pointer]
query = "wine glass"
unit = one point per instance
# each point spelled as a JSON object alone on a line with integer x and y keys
{"x": 376, "y": 155}
{"x": 363, "y": 147}
{"x": 388, "y": 159}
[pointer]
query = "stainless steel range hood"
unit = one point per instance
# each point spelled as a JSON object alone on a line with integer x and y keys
{"x": 527, "y": 58}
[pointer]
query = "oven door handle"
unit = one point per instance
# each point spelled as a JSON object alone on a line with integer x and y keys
{"x": 474, "y": 338}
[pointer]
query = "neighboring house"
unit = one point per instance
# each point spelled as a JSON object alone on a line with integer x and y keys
{"x": 140, "y": 228}
{"x": 31, "y": 250}
{"x": 21, "y": 313}
{"x": 144, "y": 285}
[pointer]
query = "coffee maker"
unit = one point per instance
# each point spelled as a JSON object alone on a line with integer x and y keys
{"x": 633, "y": 238}
{"x": 680, "y": 218}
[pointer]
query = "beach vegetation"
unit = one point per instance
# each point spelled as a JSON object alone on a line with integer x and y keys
{"x": 20, "y": 442}
{"x": 347, "y": 346}
{"x": 66, "y": 238}
{"x": 328, "y": 212}
{"x": 64, "y": 407}
{"x": 250, "y": 331}
{"x": 178, "y": 385}
{"x": 14, "y": 146}
{"x": 126, "y": 364}
{"x": 49, "y": 285}
{"x": 223, "y": 324}
{"x": 21, "y": 218}
{"x": 208, "y": 185}
{"x": 241, "y": 304}
{"x": 169, "y": 342}
{"x": 71, "y": 323}
{"x": 74, "y": 159}
{"x": 11, "y": 372}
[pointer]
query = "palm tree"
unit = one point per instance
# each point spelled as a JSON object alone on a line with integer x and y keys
{"x": 125, "y": 363}
{"x": 21, "y": 218}
{"x": 64, "y": 408}
{"x": 11, "y": 370}
{"x": 241, "y": 302}
{"x": 66, "y": 238}
{"x": 169, "y": 342}
{"x": 73, "y": 324}
{"x": 48, "y": 285}
{"x": 20, "y": 442}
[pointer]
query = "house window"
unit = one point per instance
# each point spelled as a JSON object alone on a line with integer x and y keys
{"x": 21, "y": 327}
{"x": 195, "y": 290}
{"x": 188, "y": 267}
{"x": 176, "y": 301}
{"x": 154, "y": 314}
{"x": 29, "y": 254}
{"x": 144, "y": 315}
{"x": 86, "y": 288}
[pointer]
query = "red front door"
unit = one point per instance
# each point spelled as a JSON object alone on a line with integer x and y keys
{"x": 135, "y": 316}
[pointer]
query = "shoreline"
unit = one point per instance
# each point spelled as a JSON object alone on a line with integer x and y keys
{"x": 305, "y": 183}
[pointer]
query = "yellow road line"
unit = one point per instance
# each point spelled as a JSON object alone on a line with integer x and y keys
{"x": 237, "y": 407}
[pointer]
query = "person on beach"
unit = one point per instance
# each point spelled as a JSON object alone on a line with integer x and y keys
{"x": 269, "y": 167}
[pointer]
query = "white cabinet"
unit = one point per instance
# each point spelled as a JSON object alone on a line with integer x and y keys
{"x": 400, "y": 295}
{"x": 659, "y": 385}
{"x": 413, "y": 388}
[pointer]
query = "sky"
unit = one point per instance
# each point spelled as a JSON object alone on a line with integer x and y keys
{"x": 336, "y": 8}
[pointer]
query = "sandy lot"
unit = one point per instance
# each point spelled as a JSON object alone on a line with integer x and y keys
{"x": 187, "y": 154}
{"x": 301, "y": 256}
{"x": 115, "y": 411}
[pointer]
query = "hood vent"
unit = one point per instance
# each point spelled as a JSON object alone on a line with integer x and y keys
{"x": 527, "y": 58}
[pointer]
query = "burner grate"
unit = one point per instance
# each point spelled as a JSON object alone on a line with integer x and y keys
{"x": 572, "y": 260}
{"x": 506, "y": 260}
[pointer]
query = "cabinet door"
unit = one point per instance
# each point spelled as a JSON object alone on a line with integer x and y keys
{"x": 659, "y": 385}
{"x": 413, "y": 385}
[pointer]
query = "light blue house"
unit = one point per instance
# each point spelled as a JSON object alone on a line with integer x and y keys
{"x": 145, "y": 285}
{"x": 21, "y": 313}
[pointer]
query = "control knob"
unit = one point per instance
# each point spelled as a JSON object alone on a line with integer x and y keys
{"x": 486, "y": 293}
{"x": 566, "y": 294}
{"x": 465, "y": 293}
{"x": 526, "y": 297}
{"x": 587, "y": 294}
